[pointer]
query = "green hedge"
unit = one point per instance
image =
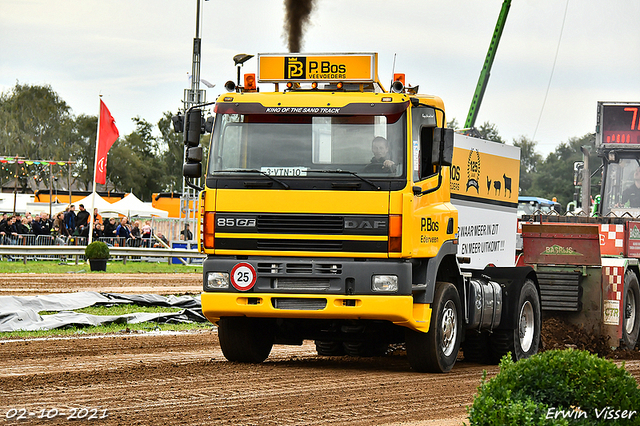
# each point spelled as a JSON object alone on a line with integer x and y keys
{"x": 557, "y": 387}
{"x": 97, "y": 250}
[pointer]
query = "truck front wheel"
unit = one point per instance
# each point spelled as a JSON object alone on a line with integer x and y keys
{"x": 523, "y": 341}
{"x": 437, "y": 350}
{"x": 245, "y": 339}
{"x": 631, "y": 304}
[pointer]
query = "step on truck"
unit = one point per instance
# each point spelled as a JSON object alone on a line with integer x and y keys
{"x": 339, "y": 212}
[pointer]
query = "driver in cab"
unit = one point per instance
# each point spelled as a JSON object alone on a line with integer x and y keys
{"x": 631, "y": 195}
{"x": 380, "y": 161}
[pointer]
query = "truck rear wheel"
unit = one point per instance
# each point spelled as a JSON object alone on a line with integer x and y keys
{"x": 437, "y": 350}
{"x": 365, "y": 349}
{"x": 522, "y": 341}
{"x": 631, "y": 304}
{"x": 476, "y": 347}
{"x": 245, "y": 339}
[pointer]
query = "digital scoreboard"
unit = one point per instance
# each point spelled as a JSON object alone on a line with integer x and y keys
{"x": 618, "y": 123}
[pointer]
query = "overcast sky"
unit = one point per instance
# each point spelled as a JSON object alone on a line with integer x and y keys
{"x": 137, "y": 53}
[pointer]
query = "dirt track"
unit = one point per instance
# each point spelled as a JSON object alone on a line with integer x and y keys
{"x": 32, "y": 284}
{"x": 179, "y": 379}
{"x": 183, "y": 379}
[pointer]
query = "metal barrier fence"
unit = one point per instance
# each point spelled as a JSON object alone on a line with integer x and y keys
{"x": 169, "y": 228}
{"x": 58, "y": 248}
{"x": 24, "y": 253}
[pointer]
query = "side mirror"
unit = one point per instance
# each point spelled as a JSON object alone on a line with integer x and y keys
{"x": 194, "y": 154}
{"x": 192, "y": 170}
{"x": 208, "y": 125}
{"x": 194, "y": 128}
{"x": 178, "y": 123}
{"x": 442, "y": 148}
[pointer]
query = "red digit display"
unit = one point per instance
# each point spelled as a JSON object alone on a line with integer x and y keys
{"x": 620, "y": 124}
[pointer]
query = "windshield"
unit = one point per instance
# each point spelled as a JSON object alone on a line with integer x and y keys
{"x": 535, "y": 207}
{"x": 622, "y": 188}
{"x": 298, "y": 145}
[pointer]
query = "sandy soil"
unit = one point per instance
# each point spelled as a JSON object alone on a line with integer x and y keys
{"x": 183, "y": 379}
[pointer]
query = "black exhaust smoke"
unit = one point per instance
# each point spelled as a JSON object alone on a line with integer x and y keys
{"x": 297, "y": 17}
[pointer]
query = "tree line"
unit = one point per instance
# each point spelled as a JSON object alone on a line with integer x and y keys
{"x": 36, "y": 124}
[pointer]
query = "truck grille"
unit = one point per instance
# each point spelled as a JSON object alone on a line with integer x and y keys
{"x": 303, "y": 224}
{"x": 265, "y": 268}
{"x": 299, "y": 304}
{"x": 299, "y": 245}
{"x": 301, "y": 284}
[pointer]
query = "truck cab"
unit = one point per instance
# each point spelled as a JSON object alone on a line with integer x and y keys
{"x": 327, "y": 216}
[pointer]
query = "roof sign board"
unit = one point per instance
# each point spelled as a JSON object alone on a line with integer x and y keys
{"x": 347, "y": 67}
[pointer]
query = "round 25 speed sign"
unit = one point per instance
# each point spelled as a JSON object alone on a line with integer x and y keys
{"x": 243, "y": 276}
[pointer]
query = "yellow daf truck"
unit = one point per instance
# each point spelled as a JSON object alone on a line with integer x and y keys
{"x": 330, "y": 212}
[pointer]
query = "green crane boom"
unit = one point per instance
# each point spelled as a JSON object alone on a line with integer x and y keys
{"x": 486, "y": 69}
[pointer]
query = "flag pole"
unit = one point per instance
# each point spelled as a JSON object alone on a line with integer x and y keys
{"x": 95, "y": 169}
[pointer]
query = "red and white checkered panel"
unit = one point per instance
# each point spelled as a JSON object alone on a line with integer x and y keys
{"x": 611, "y": 239}
{"x": 614, "y": 280}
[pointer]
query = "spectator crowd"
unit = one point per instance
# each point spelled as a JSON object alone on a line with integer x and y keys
{"x": 71, "y": 227}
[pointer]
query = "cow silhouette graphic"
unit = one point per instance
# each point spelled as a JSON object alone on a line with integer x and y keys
{"x": 507, "y": 184}
{"x": 496, "y": 186}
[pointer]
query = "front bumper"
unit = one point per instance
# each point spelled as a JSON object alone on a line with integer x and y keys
{"x": 399, "y": 310}
{"x": 316, "y": 288}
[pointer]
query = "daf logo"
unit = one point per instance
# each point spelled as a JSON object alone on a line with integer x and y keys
{"x": 364, "y": 224}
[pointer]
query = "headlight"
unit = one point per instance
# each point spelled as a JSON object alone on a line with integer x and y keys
{"x": 385, "y": 283}
{"x": 217, "y": 280}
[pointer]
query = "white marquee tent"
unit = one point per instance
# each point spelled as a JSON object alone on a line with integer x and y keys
{"x": 100, "y": 203}
{"x": 131, "y": 205}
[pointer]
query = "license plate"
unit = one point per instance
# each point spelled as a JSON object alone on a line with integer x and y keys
{"x": 285, "y": 171}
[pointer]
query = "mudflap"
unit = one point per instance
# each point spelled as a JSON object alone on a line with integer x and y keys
{"x": 615, "y": 279}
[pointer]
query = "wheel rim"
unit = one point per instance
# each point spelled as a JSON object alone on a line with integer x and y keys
{"x": 449, "y": 329}
{"x": 630, "y": 312}
{"x": 526, "y": 328}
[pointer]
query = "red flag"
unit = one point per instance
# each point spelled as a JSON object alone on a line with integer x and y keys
{"x": 108, "y": 134}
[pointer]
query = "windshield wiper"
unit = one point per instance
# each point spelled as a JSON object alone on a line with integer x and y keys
{"x": 347, "y": 172}
{"x": 284, "y": 185}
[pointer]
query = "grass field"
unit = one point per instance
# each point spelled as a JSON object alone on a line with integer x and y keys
{"x": 113, "y": 267}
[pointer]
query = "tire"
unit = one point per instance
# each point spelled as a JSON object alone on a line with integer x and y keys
{"x": 631, "y": 306}
{"x": 437, "y": 350}
{"x": 524, "y": 340}
{"x": 247, "y": 340}
{"x": 329, "y": 348}
{"x": 476, "y": 347}
{"x": 365, "y": 349}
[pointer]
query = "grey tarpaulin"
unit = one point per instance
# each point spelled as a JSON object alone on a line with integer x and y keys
{"x": 21, "y": 312}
